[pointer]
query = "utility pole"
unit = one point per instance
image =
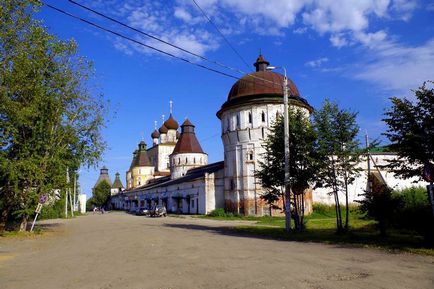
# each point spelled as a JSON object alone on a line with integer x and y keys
{"x": 66, "y": 193}
{"x": 286, "y": 144}
{"x": 368, "y": 157}
{"x": 75, "y": 190}
{"x": 286, "y": 150}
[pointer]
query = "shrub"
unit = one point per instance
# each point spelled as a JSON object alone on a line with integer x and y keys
{"x": 379, "y": 203}
{"x": 219, "y": 212}
{"x": 53, "y": 211}
{"x": 414, "y": 212}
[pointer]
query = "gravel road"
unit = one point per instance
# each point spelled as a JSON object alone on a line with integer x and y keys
{"x": 118, "y": 250}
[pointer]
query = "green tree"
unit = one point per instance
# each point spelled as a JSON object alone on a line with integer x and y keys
{"x": 337, "y": 131}
{"x": 303, "y": 163}
{"x": 49, "y": 118}
{"x": 411, "y": 131}
{"x": 101, "y": 194}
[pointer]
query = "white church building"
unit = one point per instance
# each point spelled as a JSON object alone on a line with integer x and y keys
{"x": 174, "y": 172}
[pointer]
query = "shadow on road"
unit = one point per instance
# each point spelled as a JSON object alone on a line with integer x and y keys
{"x": 324, "y": 236}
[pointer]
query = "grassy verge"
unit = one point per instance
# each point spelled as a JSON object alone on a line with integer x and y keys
{"x": 321, "y": 227}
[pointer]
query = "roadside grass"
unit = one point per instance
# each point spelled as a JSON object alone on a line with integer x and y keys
{"x": 17, "y": 234}
{"x": 320, "y": 227}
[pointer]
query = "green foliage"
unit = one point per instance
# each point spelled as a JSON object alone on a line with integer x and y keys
{"x": 411, "y": 131}
{"x": 337, "y": 131}
{"x": 379, "y": 204}
{"x": 414, "y": 212}
{"x": 303, "y": 162}
{"x": 89, "y": 204}
{"x": 220, "y": 213}
{"x": 407, "y": 209}
{"x": 49, "y": 119}
{"x": 101, "y": 194}
{"x": 53, "y": 211}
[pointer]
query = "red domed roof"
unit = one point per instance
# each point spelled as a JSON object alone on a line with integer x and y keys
{"x": 163, "y": 129}
{"x": 155, "y": 134}
{"x": 171, "y": 123}
{"x": 187, "y": 142}
{"x": 262, "y": 86}
{"x": 261, "y": 82}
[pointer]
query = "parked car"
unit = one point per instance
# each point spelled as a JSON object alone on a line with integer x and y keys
{"x": 143, "y": 212}
{"x": 158, "y": 211}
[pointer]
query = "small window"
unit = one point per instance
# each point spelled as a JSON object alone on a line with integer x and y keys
{"x": 192, "y": 204}
{"x": 263, "y": 132}
{"x": 250, "y": 117}
{"x": 179, "y": 161}
{"x": 227, "y": 124}
{"x": 194, "y": 160}
{"x": 250, "y": 156}
{"x": 263, "y": 116}
{"x": 238, "y": 121}
{"x": 186, "y": 160}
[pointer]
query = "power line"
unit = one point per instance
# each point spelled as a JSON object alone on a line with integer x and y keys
{"x": 154, "y": 37}
{"x": 218, "y": 30}
{"x": 274, "y": 84}
{"x": 136, "y": 41}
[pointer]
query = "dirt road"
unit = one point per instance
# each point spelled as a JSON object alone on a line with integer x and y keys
{"x": 117, "y": 250}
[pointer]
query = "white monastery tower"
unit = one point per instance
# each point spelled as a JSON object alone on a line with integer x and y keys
{"x": 188, "y": 153}
{"x": 252, "y": 106}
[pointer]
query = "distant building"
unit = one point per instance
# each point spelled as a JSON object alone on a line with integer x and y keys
{"x": 117, "y": 186}
{"x": 103, "y": 176}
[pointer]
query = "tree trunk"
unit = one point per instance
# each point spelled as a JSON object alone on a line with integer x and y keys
{"x": 296, "y": 214}
{"x": 347, "y": 211}
{"x": 287, "y": 208}
{"x": 23, "y": 225}
{"x": 302, "y": 210}
{"x": 338, "y": 213}
{"x": 3, "y": 219}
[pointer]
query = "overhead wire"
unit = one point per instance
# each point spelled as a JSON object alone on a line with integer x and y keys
{"x": 173, "y": 45}
{"x": 164, "y": 41}
{"x": 136, "y": 41}
{"x": 274, "y": 84}
{"x": 154, "y": 37}
{"x": 222, "y": 35}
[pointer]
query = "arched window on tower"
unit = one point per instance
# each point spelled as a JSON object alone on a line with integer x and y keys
{"x": 238, "y": 120}
{"x": 263, "y": 116}
{"x": 250, "y": 155}
{"x": 250, "y": 118}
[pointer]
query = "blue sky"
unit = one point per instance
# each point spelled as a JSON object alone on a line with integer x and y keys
{"x": 358, "y": 53}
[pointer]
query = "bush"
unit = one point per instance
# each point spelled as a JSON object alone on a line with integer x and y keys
{"x": 414, "y": 212}
{"x": 53, "y": 211}
{"x": 220, "y": 212}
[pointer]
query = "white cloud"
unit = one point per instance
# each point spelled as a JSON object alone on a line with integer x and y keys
{"x": 317, "y": 62}
{"x": 300, "y": 30}
{"x": 404, "y": 8}
{"x": 338, "y": 40}
{"x": 337, "y": 16}
{"x": 398, "y": 68}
